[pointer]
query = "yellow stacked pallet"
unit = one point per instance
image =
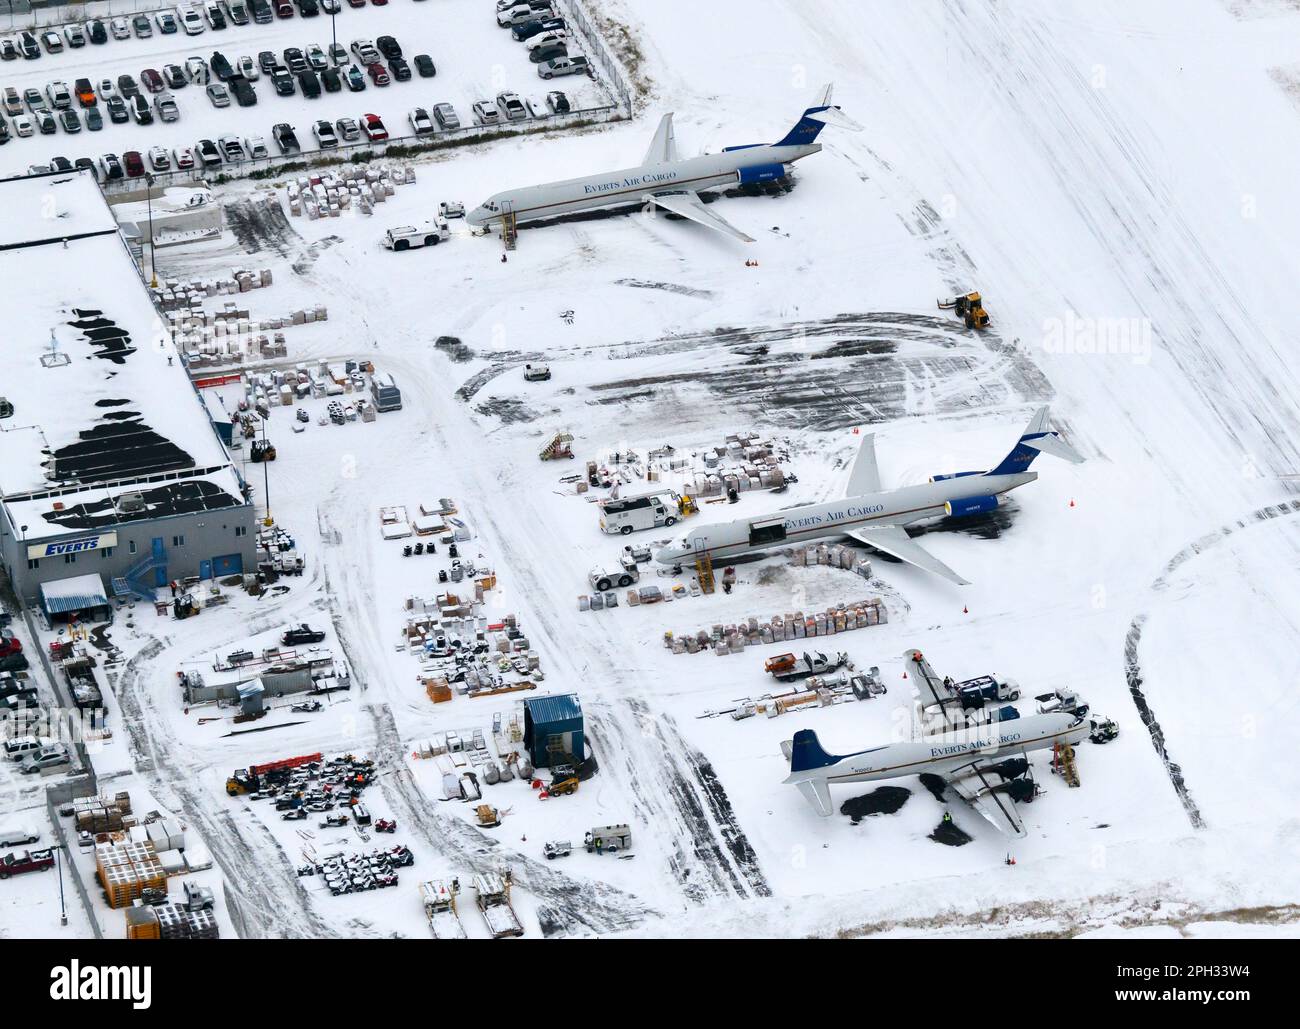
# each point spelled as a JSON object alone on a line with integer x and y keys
{"x": 127, "y": 869}
{"x": 142, "y": 923}
{"x": 121, "y": 886}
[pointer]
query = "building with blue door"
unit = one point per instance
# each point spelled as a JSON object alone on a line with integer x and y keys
{"x": 553, "y": 730}
{"x": 110, "y": 464}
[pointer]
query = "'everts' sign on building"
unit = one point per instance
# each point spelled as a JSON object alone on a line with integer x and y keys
{"x": 77, "y": 546}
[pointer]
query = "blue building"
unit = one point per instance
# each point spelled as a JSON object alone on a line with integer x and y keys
{"x": 553, "y": 730}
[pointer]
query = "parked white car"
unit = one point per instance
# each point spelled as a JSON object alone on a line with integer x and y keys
{"x": 420, "y": 121}
{"x": 190, "y": 19}
{"x": 486, "y": 113}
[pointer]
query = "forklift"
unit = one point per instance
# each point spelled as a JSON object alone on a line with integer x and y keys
{"x": 262, "y": 450}
{"x": 970, "y": 308}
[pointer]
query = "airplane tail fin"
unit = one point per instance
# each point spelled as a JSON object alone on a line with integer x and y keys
{"x": 806, "y": 753}
{"x": 1037, "y": 438}
{"x": 816, "y": 118}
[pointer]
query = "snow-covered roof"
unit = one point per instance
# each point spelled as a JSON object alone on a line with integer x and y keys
{"x": 85, "y": 511}
{"x": 99, "y": 392}
{"x": 73, "y": 594}
{"x": 55, "y": 206}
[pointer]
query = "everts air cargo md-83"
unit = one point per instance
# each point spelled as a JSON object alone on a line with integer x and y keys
{"x": 876, "y": 516}
{"x": 666, "y": 180}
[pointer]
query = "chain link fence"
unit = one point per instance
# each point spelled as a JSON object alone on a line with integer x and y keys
{"x": 56, "y": 797}
{"x": 611, "y": 72}
{"x": 16, "y": 15}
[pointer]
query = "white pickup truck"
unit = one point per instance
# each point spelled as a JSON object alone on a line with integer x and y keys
{"x": 408, "y": 237}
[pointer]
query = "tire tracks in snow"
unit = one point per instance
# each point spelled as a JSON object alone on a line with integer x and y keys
{"x": 256, "y": 907}
{"x": 565, "y": 905}
{"x": 1133, "y": 641}
{"x": 673, "y": 785}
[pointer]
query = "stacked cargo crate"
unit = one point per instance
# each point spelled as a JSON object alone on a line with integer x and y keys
{"x": 125, "y": 870}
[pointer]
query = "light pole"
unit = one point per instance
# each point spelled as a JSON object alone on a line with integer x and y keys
{"x": 334, "y": 35}
{"x": 266, "y": 476}
{"x": 63, "y": 907}
{"x": 153, "y": 268}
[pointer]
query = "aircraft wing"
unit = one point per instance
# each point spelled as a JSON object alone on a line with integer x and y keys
{"x": 865, "y": 476}
{"x": 974, "y": 784}
{"x": 689, "y": 205}
{"x": 893, "y": 539}
{"x": 663, "y": 148}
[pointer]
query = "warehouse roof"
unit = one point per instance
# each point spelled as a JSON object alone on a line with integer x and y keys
{"x": 74, "y": 594}
{"x": 548, "y": 710}
{"x": 99, "y": 392}
{"x": 71, "y": 511}
{"x": 52, "y": 207}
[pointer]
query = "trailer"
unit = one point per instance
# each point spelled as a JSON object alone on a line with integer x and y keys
{"x": 608, "y": 839}
{"x": 249, "y": 780}
{"x": 440, "y": 909}
{"x": 788, "y": 668}
{"x": 492, "y": 892}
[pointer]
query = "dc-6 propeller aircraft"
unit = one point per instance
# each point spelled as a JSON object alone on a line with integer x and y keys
{"x": 876, "y": 516}
{"x": 665, "y": 179}
{"x": 976, "y": 745}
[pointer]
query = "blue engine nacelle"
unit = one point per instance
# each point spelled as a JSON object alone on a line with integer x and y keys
{"x": 762, "y": 173}
{"x": 952, "y": 475}
{"x": 970, "y": 506}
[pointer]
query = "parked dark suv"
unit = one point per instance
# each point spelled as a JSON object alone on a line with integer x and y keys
{"x": 300, "y": 634}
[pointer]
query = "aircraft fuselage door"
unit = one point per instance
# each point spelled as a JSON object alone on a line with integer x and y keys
{"x": 767, "y": 532}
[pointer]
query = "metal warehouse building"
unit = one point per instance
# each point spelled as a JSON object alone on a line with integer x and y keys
{"x": 109, "y": 463}
{"x": 553, "y": 730}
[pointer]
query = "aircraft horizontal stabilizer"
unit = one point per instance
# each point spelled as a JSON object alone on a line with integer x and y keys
{"x": 688, "y": 205}
{"x": 1054, "y": 445}
{"x": 893, "y": 539}
{"x": 818, "y": 794}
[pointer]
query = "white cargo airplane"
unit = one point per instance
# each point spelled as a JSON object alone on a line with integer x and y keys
{"x": 876, "y": 516}
{"x": 664, "y": 179}
{"x": 980, "y": 763}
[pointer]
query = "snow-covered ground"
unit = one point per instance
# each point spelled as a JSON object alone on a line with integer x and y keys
{"x": 475, "y": 60}
{"x": 1053, "y": 158}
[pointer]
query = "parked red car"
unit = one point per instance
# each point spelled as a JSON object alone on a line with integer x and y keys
{"x": 284, "y": 8}
{"x": 134, "y": 163}
{"x": 378, "y": 74}
{"x": 373, "y": 126}
{"x": 356, "y": 3}
{"x": 151, "y": 80}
